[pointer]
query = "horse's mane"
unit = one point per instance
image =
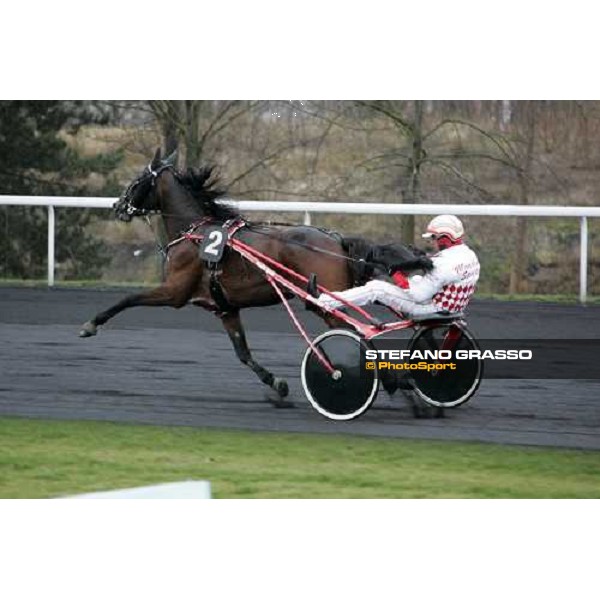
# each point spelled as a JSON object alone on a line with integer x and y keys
{"x": 205, "y": 187}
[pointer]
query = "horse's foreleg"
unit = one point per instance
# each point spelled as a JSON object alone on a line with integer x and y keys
{"x": 161, "y": 296}
{"x": 233, "y": 326}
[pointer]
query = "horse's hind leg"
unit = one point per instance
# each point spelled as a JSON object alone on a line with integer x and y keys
{"x": 233, "y": 326}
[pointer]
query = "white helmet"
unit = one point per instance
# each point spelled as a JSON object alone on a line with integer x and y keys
{"x": 445, "y": 225}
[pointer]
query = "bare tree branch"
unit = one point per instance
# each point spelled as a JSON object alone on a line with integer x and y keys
{"x": 481, "y": 131}
{"x": 336, "y": 121}
{"x": 456, "y": 172}
{"x": 263, "y": 161}
{"x": 403, "y": 124}
{"x": 213, "y": 129}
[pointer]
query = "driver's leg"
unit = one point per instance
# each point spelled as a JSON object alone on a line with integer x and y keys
{"x": 378, "y": 291}
{"x": 361, "y": 295}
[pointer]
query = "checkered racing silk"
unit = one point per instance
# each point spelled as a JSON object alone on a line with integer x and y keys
{"x": 457, "y": 268}
{"x": 454, "y": 298}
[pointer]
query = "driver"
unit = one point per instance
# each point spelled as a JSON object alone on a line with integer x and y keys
{"x": 447, "y": 288}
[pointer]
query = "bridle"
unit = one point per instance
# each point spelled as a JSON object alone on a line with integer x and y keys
{"x": 124, "y": 204}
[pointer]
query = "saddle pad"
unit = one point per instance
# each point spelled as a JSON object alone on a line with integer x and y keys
{"x": 213, "y": 243}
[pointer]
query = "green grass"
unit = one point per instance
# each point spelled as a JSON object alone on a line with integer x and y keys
{"x": 42, "y": 459}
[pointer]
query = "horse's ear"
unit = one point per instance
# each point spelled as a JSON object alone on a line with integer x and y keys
{"x": 156, "y": 160}
{"x": 170, "y": 160}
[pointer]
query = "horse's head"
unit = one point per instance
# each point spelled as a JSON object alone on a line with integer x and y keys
{"x": 140, "y": 198}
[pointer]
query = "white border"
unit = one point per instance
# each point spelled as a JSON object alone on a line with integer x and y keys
{"x": 236, "y": 549}
{"x": 315, "y": 49}
{"x": 434, "y": 50}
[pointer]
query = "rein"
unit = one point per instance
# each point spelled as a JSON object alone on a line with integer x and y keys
{"x": 307, "y": 246}
{"x": 188, "y": 233}
{"x": 163, "y": 249}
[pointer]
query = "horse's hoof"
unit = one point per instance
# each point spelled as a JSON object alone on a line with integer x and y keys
{"x": 417, "y": 412}
{"x": 420, "y": 409}
{"x": 88, "y": 329}
{"x": 426, "y": 411}
{"x": 281, "y": 387}
{"x": 389, "y": 383}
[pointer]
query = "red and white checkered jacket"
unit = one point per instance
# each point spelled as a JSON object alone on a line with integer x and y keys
{"x": 451, "y": 283}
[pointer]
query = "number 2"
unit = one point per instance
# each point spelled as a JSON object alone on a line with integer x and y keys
{"x": 215, "y": 237}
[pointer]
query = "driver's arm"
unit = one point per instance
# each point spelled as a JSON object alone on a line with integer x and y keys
{"x": 423, "y": 289}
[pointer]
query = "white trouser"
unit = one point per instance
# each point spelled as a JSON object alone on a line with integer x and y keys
{"x": 380, "y": 291}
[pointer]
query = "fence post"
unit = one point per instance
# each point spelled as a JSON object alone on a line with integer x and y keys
{"x": 583, "y": 260}
{"x": 307, "y": 218}
{"x": 50, "y": 246}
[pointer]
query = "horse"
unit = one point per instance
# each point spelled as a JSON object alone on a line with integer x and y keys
{"x": 189, "y": 201}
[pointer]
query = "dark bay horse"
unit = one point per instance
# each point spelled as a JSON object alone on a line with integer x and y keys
{"x": 186, "y": 198}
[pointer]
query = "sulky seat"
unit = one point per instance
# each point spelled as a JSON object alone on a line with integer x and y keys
{"x": 444, "y": 317}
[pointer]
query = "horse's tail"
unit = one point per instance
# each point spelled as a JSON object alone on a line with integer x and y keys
{"x": 360, "y": 251}
{"x": 370, "y": 260}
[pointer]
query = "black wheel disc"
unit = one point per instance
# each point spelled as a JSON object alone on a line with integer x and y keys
{"x": 350, "y": 391}
{"x": 447, "y": 388}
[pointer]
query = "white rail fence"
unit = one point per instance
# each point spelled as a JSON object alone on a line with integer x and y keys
{"x": 359, "y": 208}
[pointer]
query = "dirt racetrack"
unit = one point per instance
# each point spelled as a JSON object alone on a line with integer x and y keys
{"x": 168, "y": 367}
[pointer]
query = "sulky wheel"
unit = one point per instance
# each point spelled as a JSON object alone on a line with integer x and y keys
{"x": 446, "y": 388}
{"x": 351, "y": 389}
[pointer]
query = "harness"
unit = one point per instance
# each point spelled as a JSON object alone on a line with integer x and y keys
{"x": 231, "y": 227}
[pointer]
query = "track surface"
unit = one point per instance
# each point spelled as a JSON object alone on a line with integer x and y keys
{"x": 167, "y": 367}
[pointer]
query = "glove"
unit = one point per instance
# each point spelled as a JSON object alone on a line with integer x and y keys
{"x": 400, "y": 280}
